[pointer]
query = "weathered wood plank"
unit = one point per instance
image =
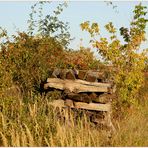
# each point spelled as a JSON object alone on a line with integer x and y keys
{"x": 93, "y": 83}
{"x": 76, "y": 86}
{"x": 93, "y": 106}
{"x": 81, "y": 105}
{"x": 57, "y": 80}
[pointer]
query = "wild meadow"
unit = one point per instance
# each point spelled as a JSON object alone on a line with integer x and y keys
{"x": 34, "y": 122}
{"x": 26, "y": 59}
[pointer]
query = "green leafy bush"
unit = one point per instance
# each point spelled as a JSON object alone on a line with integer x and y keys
{"x": 124, "y": 57}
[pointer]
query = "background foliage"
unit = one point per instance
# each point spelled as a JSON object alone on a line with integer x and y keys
{"x": 27, "y": 60}
{"x": 26, "y": 116}
{"x": 49, "y": 25}
{"x": 128, "y": 62}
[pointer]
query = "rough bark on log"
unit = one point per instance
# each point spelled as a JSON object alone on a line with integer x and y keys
{"x": 70, "y": 75}
{"x": 83, "y": 97}
{"x": 95, "y": 76}
{"x": 91, "y": 78}
{"x": 93, "y": 96}
{"x": 81, "y": 75}
{"x": 76, "y": 86}
{"x": 103, "y": 98}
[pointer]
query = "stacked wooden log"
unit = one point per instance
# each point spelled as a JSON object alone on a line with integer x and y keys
{"x": 86, "y": 90}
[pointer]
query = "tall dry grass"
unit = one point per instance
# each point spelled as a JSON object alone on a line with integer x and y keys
{"x": 36, "y": 123}
{"x": 33, "y": 122}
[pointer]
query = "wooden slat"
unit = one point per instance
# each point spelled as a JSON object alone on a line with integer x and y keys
{"x": 81, "y": 105}
{"x": 93, "y": 83}
{"x": 57, "y": 80}
{"x": 93, "y": 106}
{"x": 76, "y": 86}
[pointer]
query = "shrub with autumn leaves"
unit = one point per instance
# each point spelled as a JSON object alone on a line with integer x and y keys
{"x": 27, "y": 60}
{"x": 82, "y": 59}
